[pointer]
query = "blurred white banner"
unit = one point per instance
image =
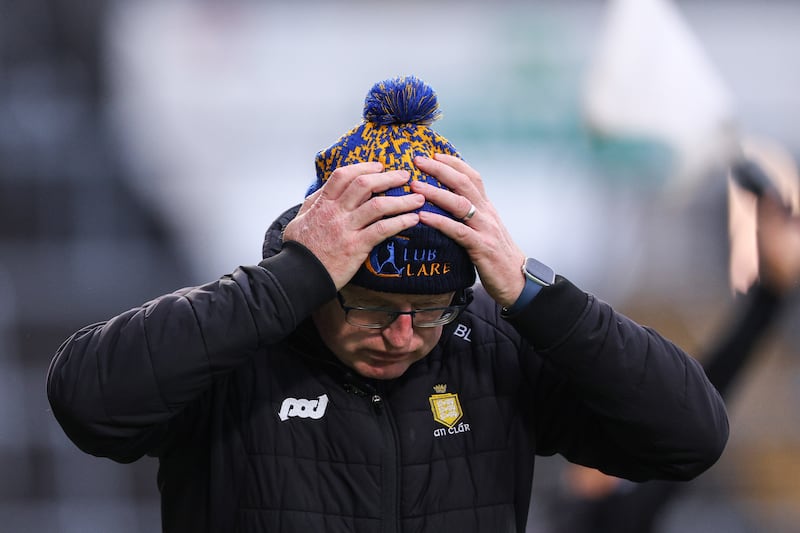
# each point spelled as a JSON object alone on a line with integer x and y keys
{"x": 650, "y": 77}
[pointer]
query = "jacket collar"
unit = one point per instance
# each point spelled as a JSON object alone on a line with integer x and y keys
{"x": 273, "y": 238}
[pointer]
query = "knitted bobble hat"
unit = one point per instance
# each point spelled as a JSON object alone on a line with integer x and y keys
{"x": 396, "y": 128}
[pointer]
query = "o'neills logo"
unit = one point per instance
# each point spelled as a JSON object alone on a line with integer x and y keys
{"x": 302, "y": 408}
{"x": 394, "y": 258}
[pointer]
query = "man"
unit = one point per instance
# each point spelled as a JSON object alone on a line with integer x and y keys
{"x": 355, "y": 380}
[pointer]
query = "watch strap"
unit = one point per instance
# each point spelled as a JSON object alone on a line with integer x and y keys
{"x": 537, "y": 275}
{"x": 529, "y": 292}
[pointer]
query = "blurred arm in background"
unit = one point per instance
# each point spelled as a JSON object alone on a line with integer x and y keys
{"x": 593, "y": 502}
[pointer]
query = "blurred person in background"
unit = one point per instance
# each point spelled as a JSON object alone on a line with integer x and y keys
{"x": 594, "y": 502}
{"x": 357, "y": 379}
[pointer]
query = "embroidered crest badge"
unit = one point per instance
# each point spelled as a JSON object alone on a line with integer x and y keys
{"x": 445, "y": 406}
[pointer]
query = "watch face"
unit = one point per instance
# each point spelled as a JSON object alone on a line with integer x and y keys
{"x": 539, "y": 272}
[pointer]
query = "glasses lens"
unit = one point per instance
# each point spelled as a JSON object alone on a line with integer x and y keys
{"x": 370, "y": 318}
{"x": 377, "y": 317}
{"x": 428, "y": 318}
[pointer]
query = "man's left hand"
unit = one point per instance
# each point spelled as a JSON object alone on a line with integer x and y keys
{"x": 483, "y": 235}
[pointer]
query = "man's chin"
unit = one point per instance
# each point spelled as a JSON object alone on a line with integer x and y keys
{"x": 382, "y": 371}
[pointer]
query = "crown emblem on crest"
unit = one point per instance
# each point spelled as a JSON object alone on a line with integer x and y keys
{"x": 440, "y": 388}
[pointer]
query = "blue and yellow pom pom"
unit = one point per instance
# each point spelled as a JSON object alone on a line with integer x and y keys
{"x": 401, "y": 100}
{"x": 395, "y": 128}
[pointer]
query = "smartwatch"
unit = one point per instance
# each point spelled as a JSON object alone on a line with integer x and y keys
{"x": 538, "y": 272}
{"x": 537, "y": 275}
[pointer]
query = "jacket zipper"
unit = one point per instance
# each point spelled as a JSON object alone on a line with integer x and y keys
{"x": 390, "y": 470}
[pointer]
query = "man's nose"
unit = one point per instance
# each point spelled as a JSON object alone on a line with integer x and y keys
{"x": 399, "y": 332}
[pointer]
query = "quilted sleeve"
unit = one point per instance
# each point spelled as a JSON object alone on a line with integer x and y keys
{"x": 618, "y": 396}
{"x": 114, "y": 386}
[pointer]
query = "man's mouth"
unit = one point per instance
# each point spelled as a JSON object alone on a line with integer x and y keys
{"x": 390, "y": 357}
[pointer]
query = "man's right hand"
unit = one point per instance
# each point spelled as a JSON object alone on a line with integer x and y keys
{"x": 346, "y": 218}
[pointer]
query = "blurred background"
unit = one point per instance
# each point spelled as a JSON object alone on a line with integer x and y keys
{"x": 145, "y": 146}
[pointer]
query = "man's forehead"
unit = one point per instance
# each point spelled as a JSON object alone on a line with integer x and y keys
{"x": 354, "y": 291}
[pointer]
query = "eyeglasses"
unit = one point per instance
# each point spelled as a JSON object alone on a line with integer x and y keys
{"x": 381, "y": 317}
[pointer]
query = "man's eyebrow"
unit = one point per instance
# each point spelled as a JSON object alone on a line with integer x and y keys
{"x": 367, "y": 301}
{"x": 432, "y": 302}
{"x": 387, "y": 304}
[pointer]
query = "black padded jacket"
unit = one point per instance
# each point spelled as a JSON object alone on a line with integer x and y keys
{"x": 259, "y": 428}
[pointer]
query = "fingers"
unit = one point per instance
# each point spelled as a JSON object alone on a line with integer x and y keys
{"x": 464, "y": 200}
{"x": 353, "y": 185}
{"x": 477, "y": 227}
{"x": 382, "y": 229}
{"x": 466, "y": 196}
{"x": 356, "y": 190}
{"x": 455, "y": 204}
{"x": 309, "y": 201}
{"x": 359, "y": 194}
{"x": 454, "y": 173}
{"x": 379, "y": 207}
{"x": 341, "y": 178}
{"x": 465, "y": 236}
{"x": 342, "y": 221}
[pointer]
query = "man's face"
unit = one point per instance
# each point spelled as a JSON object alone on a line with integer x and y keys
{"x": 381, "y": 353}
